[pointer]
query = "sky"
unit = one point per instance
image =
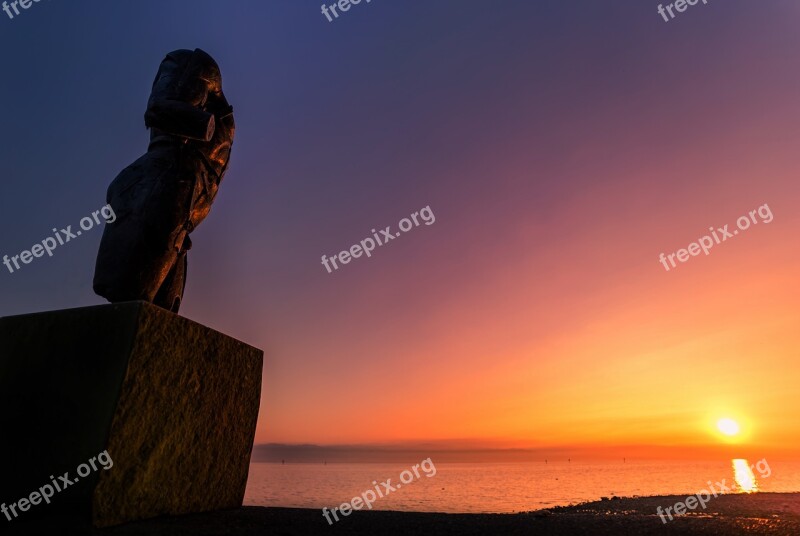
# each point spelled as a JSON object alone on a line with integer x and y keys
{"x": 562, "y": 147}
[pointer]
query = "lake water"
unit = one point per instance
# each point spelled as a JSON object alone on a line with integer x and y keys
{"x": 503, "y": 487}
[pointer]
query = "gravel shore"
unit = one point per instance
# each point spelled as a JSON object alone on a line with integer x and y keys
{"x": 759, "y": 513}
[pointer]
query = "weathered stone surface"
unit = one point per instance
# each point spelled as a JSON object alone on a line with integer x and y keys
{"x": 173, "y": 402}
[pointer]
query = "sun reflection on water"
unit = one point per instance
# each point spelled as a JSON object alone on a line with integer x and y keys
{"x": 743, "y": 474}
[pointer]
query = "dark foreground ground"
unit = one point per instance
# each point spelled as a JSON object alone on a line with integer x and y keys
{"x": 761, "y": 513}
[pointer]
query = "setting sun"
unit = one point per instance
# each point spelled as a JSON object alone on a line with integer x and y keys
{"x": 729, "y": 427}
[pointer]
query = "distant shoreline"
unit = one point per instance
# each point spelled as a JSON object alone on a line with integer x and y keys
{"x": 448, "y": 452}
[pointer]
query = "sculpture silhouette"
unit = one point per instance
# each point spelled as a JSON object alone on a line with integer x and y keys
{"x": 165, "y": 194}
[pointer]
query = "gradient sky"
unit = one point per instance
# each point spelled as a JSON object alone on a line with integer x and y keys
{"x": 561, "y": 145}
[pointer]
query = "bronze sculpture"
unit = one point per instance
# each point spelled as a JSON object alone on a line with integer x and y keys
{"x": 166, "y": 193}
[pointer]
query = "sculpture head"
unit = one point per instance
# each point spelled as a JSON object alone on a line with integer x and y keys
{"x": 193, "y": 65}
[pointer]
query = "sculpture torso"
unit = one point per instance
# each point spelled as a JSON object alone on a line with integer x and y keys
{"x": 194, "y": 79}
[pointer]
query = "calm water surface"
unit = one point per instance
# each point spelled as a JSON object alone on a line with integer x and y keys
{"x": 499, "y": 487}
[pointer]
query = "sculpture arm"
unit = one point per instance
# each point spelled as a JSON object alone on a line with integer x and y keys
{"x": 180, "y": 119}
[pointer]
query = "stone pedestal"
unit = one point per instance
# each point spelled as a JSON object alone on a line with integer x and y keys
{"x": 173, "y": 402}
